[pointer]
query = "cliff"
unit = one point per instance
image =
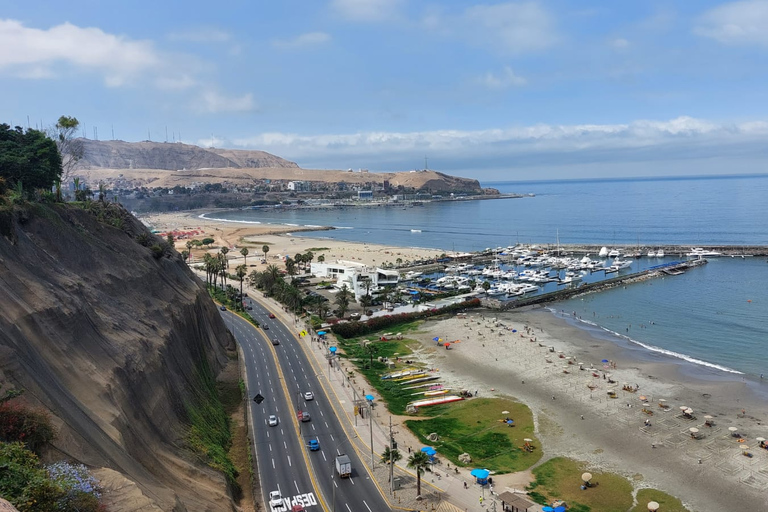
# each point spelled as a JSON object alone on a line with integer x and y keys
{"x": 117, "y": 154}
{"x": 115, "y": 344}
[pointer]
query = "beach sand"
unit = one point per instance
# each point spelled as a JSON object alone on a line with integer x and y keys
{"x": 236, "y": 235}
{"x": 611, "y": 436}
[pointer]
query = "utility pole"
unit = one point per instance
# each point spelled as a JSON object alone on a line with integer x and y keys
{"x": 391, "y": 462}
{"x": 370, "y": 423}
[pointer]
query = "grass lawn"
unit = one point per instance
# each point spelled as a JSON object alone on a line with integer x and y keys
{"x": 474, "y": 427}
{"x": 366, "y": 361}
{"x": 560, "y": 479}
{"x": 667, "y": 503}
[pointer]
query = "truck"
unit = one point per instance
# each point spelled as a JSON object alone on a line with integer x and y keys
{"x": 343, "y": 466}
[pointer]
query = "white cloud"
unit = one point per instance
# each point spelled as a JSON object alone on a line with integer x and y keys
{"x": 680, "y": 138}
{"x": 213, "y": 102}
{"x": 201, "y": 35}
{"x": 212, "y": 142}
{"x": 34, "y": 52}
{"x": 619, "y": 43}
{"x": 506, "y": 79}
{"x": 736, "y": 23}
{"x": 303, "y": 40}
{"x": 367, "y": 10}
{"x": 510, "y": 27}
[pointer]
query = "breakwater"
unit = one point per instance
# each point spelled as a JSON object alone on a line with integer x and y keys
{"x": 673, "y": 268}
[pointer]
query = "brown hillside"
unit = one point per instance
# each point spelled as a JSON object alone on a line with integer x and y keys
{"x": 111, "y": 341}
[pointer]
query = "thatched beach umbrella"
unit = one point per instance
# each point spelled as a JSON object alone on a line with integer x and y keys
{"x": 653, "y": 506}
{"x": 693, "y": 430}
{"x": 586, "y": 477}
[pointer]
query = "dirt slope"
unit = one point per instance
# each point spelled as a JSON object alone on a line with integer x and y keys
{"x": 110, "y": 340}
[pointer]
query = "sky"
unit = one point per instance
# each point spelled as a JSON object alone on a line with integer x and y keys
{"x": 488, "y": 90}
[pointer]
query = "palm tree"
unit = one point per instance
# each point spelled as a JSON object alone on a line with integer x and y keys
{"x": 224, "y": 250}
{"x": 244, "y": 252}
{"x": 189, "y": 245}
{"x": 342, "y": 300}
{"x": 290, "y": 265}
{"x": 418, "y": 461}
{"x": 184, "y": 255}
{"x": 366, "y": 301}
{"x": 321, "y": 258}
{"x": 371, "y": 350}
{"x": 265, "y": 250}
{"x": 102, "y": 191}
{"x": 308, "y": 257}
{"x": 389, "y": 455}
{"x": 241, "y": 272}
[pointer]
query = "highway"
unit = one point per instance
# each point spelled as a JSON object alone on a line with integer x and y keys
{"x": 282, "y": 461}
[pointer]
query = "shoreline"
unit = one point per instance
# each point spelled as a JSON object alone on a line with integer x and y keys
{"x": 612, "y": 435}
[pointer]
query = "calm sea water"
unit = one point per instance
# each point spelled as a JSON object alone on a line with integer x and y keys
{"x": 715, "y": 316}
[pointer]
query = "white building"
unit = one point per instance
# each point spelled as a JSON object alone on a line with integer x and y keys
{"x": 356, "y": 276}
{"x": 298, "y": 186}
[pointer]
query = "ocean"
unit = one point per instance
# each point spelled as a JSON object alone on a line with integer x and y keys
{"x": 714, "y": 318}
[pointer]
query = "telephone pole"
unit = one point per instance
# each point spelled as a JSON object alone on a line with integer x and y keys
{"x": 391, "y": 456}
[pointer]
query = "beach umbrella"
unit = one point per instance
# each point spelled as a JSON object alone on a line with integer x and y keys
{"x": 370, "y": 398}
{"x": 662, "y": 400}
{"x": 481, "y": 474}
{"x": 436, "y": 338}
{"x": 653, "y": 506}
{"x": 760, "y": 439}
{"x": 504, "y": 412}
{"x": 683, "y": 407}
{"x": 514, "y": 330}
{"x": 586, "y": 477}
{"x": 744, "y": 447}
{"x": 689, "y": 411}
{"x": 332, "y": 350}
{"x": 643, "y": 398}
{"x": 560, "y": 509}
{"x": 548, "y": 509}
{"x": 693, "y": 430}
{"x": 429, "y": 451}
{"x": 605, "y": 360}
{"x": 321, "y": 333}
{"x": 528, "y": 440}
{"x": 707, "y": 417}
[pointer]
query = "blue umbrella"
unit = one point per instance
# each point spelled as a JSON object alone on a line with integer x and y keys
{"x": 436, "y": 338}
{"x": 332, "y": 349}
{"x": 548, "y": 509}
{"x": 429, "y": 451}
{"x": 480, "y": 474}
{"x": 321, "y": 333}
{"x": 514, "y": 330}
{"x": 369, "y": 398}
{"x": 560, "y": 509}
{"x": 605, "y": 360}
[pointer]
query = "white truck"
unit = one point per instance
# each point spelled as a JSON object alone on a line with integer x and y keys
{"x": 343, "y": 466}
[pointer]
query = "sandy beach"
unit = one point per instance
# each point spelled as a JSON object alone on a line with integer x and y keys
{"x": 531, "y": 364}
{"x": 236, "y": 235}
{"x": 574, "y": 415}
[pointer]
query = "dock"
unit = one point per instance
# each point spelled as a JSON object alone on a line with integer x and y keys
{"x": 667, "y": 269}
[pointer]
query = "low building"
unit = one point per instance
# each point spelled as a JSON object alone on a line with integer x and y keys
{"x": 358, "y": 277}
{"x": 365, "y": 195}
{"x": 298, "y": 186}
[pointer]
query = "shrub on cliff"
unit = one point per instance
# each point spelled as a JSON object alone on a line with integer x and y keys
{"x": 20, "y": 423}
{"x": 29, "y": 486}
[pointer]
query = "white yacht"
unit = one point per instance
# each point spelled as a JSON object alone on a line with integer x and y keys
{"x": 614, "y": 253}
{"x": 698, "y": 252}
{"x": 620, "y": 264}
{"x": 410, "y": 276}
{"x": 651, "y": 254}
{"x": 660, "y": 253}
{"x": 603, "y": 252}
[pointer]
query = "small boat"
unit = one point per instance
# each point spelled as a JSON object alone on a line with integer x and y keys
{"x": 614, "y": 253}
{"x": 603, "y": 252}
{"x": 660, "y": 253}
{"x": 414, "y": 230}
{"x": 651, "y": 254}
{"x": 698, "y": 252}
{"x": 436, "y": 401}
{"x": 621, "y": 264}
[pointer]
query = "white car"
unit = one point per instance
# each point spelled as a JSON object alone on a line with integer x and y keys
{"x": 275, "y": 499}
{"x": 309, "y": 396}
{"x": 272, "y": 420}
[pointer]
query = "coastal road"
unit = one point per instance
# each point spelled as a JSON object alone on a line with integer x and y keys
{"x": 295, "y": 376}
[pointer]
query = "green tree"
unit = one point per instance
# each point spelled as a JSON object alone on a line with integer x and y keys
{"x": 390, "y": 456}
{"x": 69, "y": 147}
{"x": 486, "y": 286}
{"x": 224, "y": 250}
{"x": 189, "y": 245}
{"x": 265, "y": 250}
{"x": 342, "y": 300}
{"x": 418, "y": 461}
{"x": 28, "y": 157}
{"x": 102, "y": 191}
{"x": 241, "y": 271}
{"x": 308, "y": 257}
{"x": 290, "y": 265}
{"x": 185, "y": 255}
{"x": 207, "y": 241}
{"x": 169, "y": 239}
{"x": 321, "y": 258}
{"x": 244, "y": 252}
{"x": 366, "y": 301}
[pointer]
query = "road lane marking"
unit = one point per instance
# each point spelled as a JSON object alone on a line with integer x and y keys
{"x": 366, "y": 506}
{"x": 289, "y": 460}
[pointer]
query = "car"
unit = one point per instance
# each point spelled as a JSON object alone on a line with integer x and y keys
{"x": 271, "y": 315}
{"x": 314, "y": 445}
{"x": 273, "y": 420}
{"x": 223, "y": 308}
{"x": 265, "y": 327}
{"x": 249, "y": 308}
{"x": 275, "y": 499}
{"x": 309, "y": 396}
{"x": 304, "y": 416}
{"x": 275, "y": 341}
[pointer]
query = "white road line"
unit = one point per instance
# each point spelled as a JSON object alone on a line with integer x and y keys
{"x": 324, "y": 456}
{"x": 326, "y": 424}
{"x": 321, "y": 413}
{"x": 332, "y": 439}
{"x": 313, "y": 426}
{"x": 350, "y": 510}
{"x": 289, "y": 460}
{"x": 270, "y": 446}
{"x": 352, "y": 480}
{"x": 297, "y": 487}
{"x": 334, "y": 483}
{"x": 366, "y": 506}
{"x": 285, "y": 445}
{"x": 273, "y": 463}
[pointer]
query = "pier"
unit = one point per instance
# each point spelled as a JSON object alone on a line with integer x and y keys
{"x": 670, "y": 269}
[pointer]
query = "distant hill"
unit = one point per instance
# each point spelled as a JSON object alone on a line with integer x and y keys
{"x": 118, "y": 154}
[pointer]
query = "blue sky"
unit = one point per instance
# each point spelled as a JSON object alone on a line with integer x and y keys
{"x": 493, "y": 90}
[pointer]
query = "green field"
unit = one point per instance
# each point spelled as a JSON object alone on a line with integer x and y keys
{"x": 476, "y": 427}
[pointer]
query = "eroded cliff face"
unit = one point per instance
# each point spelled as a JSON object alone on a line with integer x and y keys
{"x": 111, "y": 341}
